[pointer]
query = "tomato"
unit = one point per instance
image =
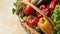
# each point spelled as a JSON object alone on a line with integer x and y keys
{"x": 38, "y": 15}
{"x": 28, "y": 10}
{"x": 48, "y": 11}
{"x": 42, "y": 7}
{"x": 31, "y": 21}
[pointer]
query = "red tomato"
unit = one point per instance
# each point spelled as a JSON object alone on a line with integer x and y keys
{"x": 48, "y": 11}
{"x": 31, "y": 21}
{"x": 38, "y": 15}
{"x": 42, "y": 7}
{"x": 28, "y": 10}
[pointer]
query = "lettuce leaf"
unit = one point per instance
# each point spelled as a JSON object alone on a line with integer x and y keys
{"x": 56, "y": 19}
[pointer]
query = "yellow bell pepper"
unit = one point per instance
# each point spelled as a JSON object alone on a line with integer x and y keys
{"x": 44, "y": 25}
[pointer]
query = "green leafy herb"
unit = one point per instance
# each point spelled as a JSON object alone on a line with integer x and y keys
{"x": 37, "y": 28}
{"x": 22, "y": 14}
{"x": 55, "y": 15}
{"x": 58, "y": 32}
{"x": 20, "y": 7}
{"x": 15, "y": 4}
{"x": 13, "y": 10}
{"x": 54, "y": 32}
{"x": 56, "y": 29}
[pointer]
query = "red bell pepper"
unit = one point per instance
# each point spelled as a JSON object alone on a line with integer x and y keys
{"x": 52, "y": 4}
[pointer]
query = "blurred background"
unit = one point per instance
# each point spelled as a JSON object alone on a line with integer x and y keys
{"x": 9, "y": 23}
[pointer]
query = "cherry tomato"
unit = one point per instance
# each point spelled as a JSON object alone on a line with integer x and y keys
{"x": 48, "y": 11}
{"x": 31, "y": 21}
{"x": 38, "y": 15}
{"x": 42, "y": 7}
{"x": 28, "y": 10}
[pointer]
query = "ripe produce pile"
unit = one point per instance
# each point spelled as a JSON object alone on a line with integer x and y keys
{"x": 35, "y": 20}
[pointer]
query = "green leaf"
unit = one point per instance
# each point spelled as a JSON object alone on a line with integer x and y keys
{"x": 58, "y": 32}
{"x": 57, "y": 27}
{"x": 54, "y": 32}
{"x": 22, "y": 14}
{"x": 15, "y": 4}
{"x": 55, "y": 15}
{"x": 13, "y": 10}
{"x": 37, "y": 28}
